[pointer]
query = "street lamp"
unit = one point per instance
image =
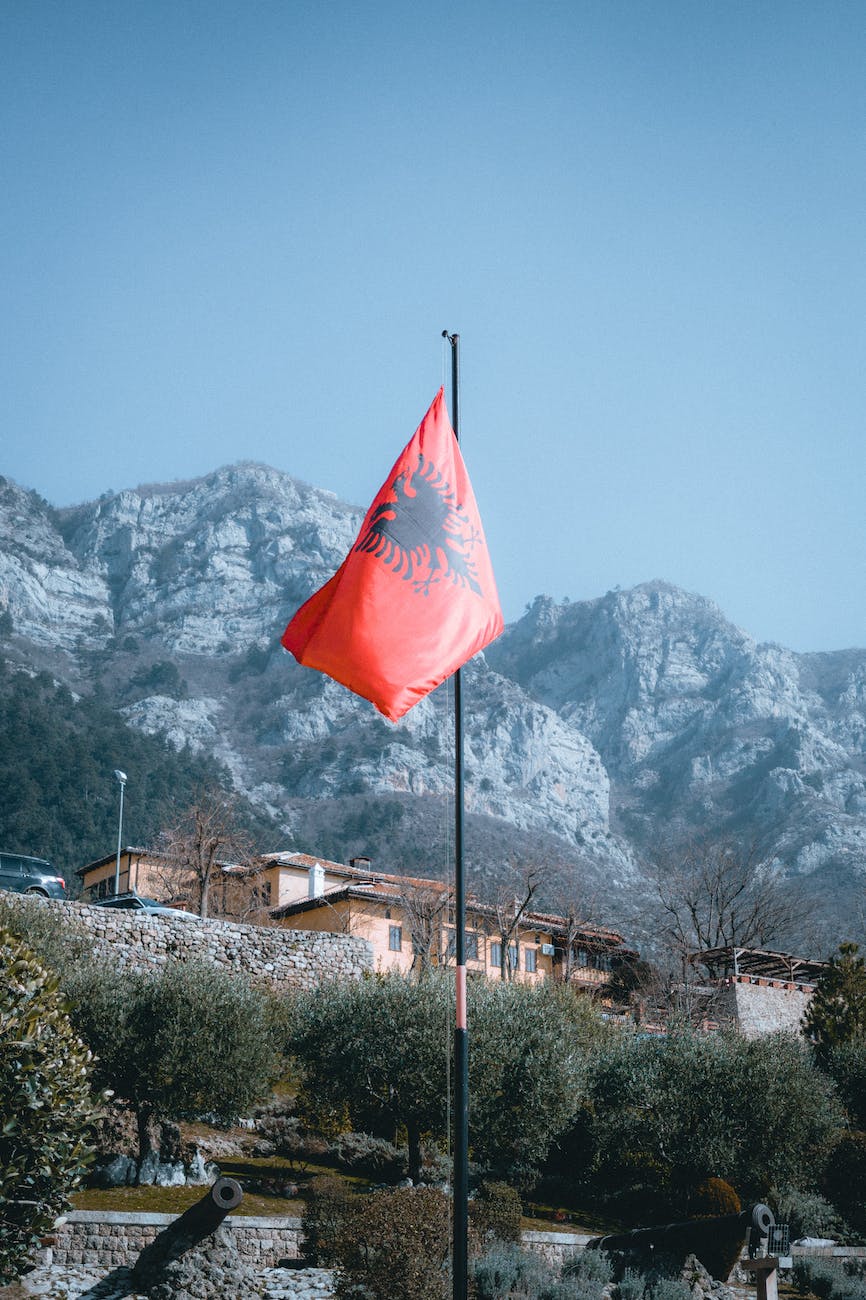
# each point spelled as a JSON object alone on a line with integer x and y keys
{"x": 121, "y": 777}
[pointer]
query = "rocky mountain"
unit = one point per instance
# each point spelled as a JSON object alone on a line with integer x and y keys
{"x": 595, "y": 729}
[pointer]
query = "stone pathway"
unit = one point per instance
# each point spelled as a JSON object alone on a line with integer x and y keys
{"x": 72, "y": 1283}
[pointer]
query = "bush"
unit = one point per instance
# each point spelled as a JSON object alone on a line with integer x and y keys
{"x": 327, "y": 1206}
{"x": 50, "y": 932}
{"x": 586, "y": 1274}
{"x": 825, "y": 1279}
{"x": 45, "y": 1102}
{"x": 631, "y": 1285}
{"x": 494, "y": 1214}
{"x": 809, "y": 1215}
{"x": 669, "y": 1288}
{"x": 505, "y": 1272}
{"x": 714, "y": 1197}
{"x": 845, "y": 1179}
{"x": 373, "y": 1157}
{"x": 395, "y": 1244}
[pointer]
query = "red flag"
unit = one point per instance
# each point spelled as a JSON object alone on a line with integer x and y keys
{"x": 415, "y": 597}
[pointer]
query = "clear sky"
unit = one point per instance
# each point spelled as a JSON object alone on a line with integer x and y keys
{"x": 235, "y": 229}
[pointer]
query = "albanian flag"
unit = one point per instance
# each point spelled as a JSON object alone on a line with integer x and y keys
{"x": 415, "y": 597}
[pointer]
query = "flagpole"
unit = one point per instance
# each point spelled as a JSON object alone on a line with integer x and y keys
{"x": 460, "y": 1249}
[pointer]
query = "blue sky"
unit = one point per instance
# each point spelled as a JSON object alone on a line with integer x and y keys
{"x": 236, "y": 229}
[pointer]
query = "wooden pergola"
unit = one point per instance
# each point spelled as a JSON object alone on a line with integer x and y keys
{"x": 760, "y": 963}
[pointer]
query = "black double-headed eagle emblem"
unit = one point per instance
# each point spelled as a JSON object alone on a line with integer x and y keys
{"x": 424, "y": 534}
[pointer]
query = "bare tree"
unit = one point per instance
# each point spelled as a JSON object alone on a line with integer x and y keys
{"x": 204, "y": 840}
{"x": 578, "y": 914}
{"x": 425, "y": 908}
{"x": 509, "y": 908}
{"x": 717, "y": 894}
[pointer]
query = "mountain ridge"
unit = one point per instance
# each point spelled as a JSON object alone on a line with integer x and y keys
{"x": 599, "y": 726}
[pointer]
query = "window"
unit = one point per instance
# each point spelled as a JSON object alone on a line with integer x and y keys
{"x": 395, "y": 938}
{"x": 496, "y": 956}
{"x": 470, "y": 941}
{"x": 529, "y": 959}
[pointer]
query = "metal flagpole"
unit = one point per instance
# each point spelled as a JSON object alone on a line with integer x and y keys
{"x": 460, "y": 1249}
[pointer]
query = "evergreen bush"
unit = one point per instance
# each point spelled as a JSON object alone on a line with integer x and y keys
{"x": 809, "y": 1215}
{"x": 505, "y": 1272}
{"x": 45, "y": 1103}
{"x": 714, "y": 1197}
{"x": 361, "y": 1153}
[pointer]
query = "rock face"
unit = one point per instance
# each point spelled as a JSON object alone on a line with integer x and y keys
{"x": 697, "y": 724}
{"x": 592, "y": 726}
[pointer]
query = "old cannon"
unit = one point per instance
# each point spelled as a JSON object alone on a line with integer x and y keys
{"x": 717, "y": 1242}
{"x": 192, "y": 1227}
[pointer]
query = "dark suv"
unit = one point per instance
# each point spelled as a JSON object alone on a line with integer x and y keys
{"x": 30, "y": 876}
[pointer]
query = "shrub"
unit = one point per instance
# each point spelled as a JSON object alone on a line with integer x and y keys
{"x": 327, "y": 1207}
{"x": 505, "y": 1272}
{"x": 591, "y": 1268}
{"x": 809, "y": 1215}
{"x": 395, "y": 1243}
{"x": 371, "y": 1156}
{"x": 45, "y": 1102}
{"x": 49, "y": 932}
{"x": 714, "y": 1197}
{"x": 494, "y": 1214}
{"x": 845, "y": 1179}
{"x": 825, "y": 1279}
{"x": 631, "y": 1284}
{"x": 669, "y": 1288}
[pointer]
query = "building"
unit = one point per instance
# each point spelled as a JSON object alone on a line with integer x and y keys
{"x": 758, "y": 991}
{"x": 240, "y": 893}
{"x": 408, "y": 920}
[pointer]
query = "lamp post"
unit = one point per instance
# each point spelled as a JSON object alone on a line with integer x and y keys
{"x": 121, "y": 777}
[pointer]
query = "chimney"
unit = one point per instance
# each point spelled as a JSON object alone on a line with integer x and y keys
{"x": 316, "y": 881}
{"x": 360, "y": 864}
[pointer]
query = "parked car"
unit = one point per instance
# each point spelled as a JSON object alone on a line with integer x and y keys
{"x": 133, "y": 902}
{"x": 30, "y": 876}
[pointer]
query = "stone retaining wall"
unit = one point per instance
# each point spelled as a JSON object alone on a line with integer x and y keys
{"x": 279, "y": 957}
{"x": 99, "y": 1239}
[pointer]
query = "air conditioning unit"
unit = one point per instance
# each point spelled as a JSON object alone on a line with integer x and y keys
{"x": 548, "y": 949}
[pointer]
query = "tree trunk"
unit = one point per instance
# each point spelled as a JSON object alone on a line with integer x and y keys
{"x": 144, "y": 1123}
{"x": 413, "y": 1137}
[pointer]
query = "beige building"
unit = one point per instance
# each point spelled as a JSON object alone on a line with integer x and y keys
{"x": 407, "y": 920}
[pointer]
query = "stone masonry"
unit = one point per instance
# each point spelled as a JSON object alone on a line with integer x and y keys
{"x": 281, "y": 958}
{"x": 102, "y": 1239}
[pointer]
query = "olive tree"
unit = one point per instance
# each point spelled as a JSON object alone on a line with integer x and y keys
{"x": 45, "y": 1103}
{"x": 687, "y": 1106}
{"x": 380, "y": 1050}
{"x": 187, "y": 1040}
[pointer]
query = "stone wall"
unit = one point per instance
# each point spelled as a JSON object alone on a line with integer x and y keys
{"x": 281, "y": 958}
{"x": 761, "y": 1006}
{"x": 100, "y": 1239}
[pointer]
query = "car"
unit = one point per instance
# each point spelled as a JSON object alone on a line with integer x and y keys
{"x": 25, "y": 875}
{"x": 132, "y": 902}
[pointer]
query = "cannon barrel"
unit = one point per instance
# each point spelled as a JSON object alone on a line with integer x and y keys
{"x": 716, "y": 1242}
{"x": 759, "y": 1219}
{"x": 196, "y": 1223}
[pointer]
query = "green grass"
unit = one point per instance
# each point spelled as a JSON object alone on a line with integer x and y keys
{"x": 174, "y": 1200}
